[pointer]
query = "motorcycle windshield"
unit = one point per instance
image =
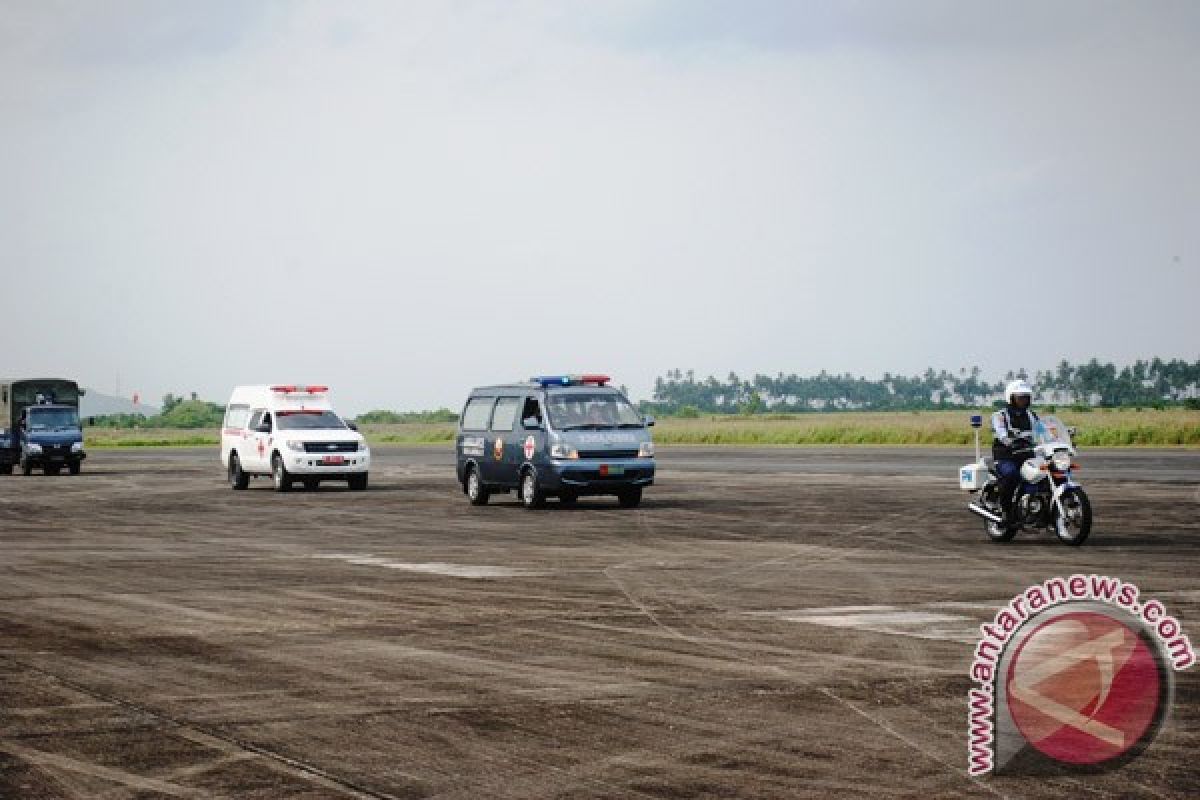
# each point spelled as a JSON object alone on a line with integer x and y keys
{"x": 1051, "y": 430}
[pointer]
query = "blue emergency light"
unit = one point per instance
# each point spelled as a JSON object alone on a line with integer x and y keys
{"x": 569, "y": 380}
{"x": 976, "y": 420}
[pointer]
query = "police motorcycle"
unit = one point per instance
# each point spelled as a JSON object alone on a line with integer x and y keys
{"x": 1047, "y": 496}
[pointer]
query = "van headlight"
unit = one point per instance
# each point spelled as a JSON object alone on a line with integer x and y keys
{"x": 563, "y": 451}
{"x": 362, "y": 446}
{"x": 295, "y": 444}
{"x": 1062, "y": 461}
{"x": 646, "y": 450}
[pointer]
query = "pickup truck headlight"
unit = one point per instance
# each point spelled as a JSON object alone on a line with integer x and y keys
{"x": 563, "y": 451}
{"x": 33, "y": 447}
{"x": 646, "y": 450}
{"x": 77, "y": 447}
{"x": 362, "y": 446}
{"x": 295, "y": 444}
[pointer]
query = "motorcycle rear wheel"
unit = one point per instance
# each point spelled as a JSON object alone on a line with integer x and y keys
{"x": 1075, "y": 527}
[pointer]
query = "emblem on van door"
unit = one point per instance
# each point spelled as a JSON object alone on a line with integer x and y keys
{"x": 529, "y": 447}
{"x": 498, "y": 448}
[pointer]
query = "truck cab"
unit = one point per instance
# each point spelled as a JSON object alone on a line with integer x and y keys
{"x": 40, "y": 427}
{"x": 563, "y": 436}
{"x": 291, "y": 433}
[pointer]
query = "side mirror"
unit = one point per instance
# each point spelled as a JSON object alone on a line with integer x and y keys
{"x": 648, "y": 421}
{"x": 1072, "y": 430}
{"x": 89, "y": 421}
{"x": 531, "y": 424}
{"x": 352, "y": 426}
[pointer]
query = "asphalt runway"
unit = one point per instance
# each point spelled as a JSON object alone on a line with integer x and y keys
{"x": 771, "y": 623}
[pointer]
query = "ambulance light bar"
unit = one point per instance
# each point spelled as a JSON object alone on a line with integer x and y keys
{"x": 293, "y": 389}
{"x": 570, "y": 380}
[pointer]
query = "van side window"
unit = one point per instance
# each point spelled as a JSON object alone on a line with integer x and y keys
{"x": 505, "y": 414}
{"x": 475, "y": 415}
{"x": 531, "y": 414}
{"x": 266, "y": 420}
{"x": 237, "y": 416}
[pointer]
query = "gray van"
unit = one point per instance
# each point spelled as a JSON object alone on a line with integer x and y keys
{"x": 561, "y": 436}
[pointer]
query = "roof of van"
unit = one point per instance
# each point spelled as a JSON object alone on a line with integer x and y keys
{"x": 537, "y": 387}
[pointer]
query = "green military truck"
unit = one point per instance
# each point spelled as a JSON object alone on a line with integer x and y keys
{"x": 40, "y": 427}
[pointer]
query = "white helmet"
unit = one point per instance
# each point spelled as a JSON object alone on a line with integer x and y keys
{"x": 1015, "y": 388}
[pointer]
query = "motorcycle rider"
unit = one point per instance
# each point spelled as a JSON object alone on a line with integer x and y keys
{"x": 1012, "y": 428}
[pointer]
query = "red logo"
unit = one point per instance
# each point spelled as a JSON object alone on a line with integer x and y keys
{"x": 262, "y": 448}
{"x": 1084, "y": 688}
{"x": 529, "y": 446}
{"x": 498, "y": 449}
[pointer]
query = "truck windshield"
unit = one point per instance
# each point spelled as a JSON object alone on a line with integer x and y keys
{"x": 53, "y": 419}
{"x": 308, "y": 420}
{"x": 595, "y": 411}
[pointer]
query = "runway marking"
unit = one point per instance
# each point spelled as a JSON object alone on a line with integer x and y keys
{"x": 433, "y": 567}
{"x": 915, "y": 622}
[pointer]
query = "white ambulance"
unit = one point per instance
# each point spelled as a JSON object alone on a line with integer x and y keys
{"x": 291, "y": 433}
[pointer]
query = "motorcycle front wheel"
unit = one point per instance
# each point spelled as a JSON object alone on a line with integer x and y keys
{"x": 1074, "y": 525}
{"x": 989, "y": 498}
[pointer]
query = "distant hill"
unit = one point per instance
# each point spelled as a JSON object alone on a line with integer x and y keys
{"x": 95, "y": 404}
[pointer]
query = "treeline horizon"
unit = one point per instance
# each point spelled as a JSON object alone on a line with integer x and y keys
{"x": 1153, "y": 383}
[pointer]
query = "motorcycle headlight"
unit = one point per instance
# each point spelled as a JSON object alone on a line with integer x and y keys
{"x": 1062, "y": 461}
{"x": 362, "y": 446}
{"x": 295, "y": 444}
{"x": 33, "y": 447}
{"x": 563, "y": 451}
{"x": 646, "y": 450}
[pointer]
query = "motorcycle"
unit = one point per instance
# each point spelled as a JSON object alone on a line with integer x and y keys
{"x": 1046, "y": 497}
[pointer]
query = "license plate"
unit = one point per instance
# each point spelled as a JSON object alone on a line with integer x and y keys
{"x": 333, "y": 460}
{"x": 612, "y": 469}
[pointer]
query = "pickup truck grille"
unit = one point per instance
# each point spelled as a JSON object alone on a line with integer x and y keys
{"x": 330, "y": 447}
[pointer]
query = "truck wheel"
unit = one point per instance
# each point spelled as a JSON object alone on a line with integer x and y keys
{"x": 237, "y": 478}
{"x": 6, "y": 469}
{"x": 74, "y": 467}
{"x": 629, "y": 498}
{"x": 476, "y": 494}
{"x": 531, "y": 495}
{"x": 357, "y": 483}
{"x": 279, "y": 474}
{"x": 51, "y": 469}
{"x": 26, "y": 467}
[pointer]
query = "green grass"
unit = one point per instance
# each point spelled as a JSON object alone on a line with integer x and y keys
{"x": 1097, "y": 428}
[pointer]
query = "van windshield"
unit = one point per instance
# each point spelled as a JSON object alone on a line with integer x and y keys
{"x": 591, "y": 411}
{"x": 53, "y": 419}
{"x": 308, "y": 420}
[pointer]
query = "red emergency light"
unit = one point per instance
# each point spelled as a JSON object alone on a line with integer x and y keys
{"x": 294, "y": 389}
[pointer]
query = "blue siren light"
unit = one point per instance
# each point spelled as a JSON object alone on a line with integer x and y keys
{"x": 570, "y": 380}
{"x": 976, "y": 421}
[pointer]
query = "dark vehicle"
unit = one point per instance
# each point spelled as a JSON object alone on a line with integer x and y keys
{"x": 563, "y": 436}
{"x": 39, "y": 426}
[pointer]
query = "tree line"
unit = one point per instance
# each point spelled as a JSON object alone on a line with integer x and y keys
{"x": 1152, "y": 383}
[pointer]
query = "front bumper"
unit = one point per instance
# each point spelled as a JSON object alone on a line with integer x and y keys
{"x": 55, "y": 455}
{"x": 315, "y": 463}
{"x": 596, "y": 477}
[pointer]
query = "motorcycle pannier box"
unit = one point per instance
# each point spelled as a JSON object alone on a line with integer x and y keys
{"x": 973, "y": 477}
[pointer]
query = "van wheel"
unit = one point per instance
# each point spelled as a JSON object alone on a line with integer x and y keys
{"x": 26, "y": 467}
{"x": 357, "y": 483}
{"x": 629, "y": 498}
{"x": 74, "y": 467}
{"x": 531, "y": 496}
{"x": 473, "y": 486}
{"x": 279, "y": 474}
{"x": 237, "y": 478}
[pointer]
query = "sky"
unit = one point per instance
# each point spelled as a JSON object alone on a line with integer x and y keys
{"x": 403, "y": 200}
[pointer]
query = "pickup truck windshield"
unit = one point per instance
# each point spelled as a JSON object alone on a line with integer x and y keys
{"x": 588, "y": 411}
{"x": 308, "y": 420}
{"x": 53, "y": 419}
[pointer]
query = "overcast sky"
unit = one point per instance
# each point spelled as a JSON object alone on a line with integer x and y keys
{"x": 405, "y": 199}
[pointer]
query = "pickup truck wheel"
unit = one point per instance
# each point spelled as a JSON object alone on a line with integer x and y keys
{"x": 73, "y": 467}
{"x": 357, "y": 483}
{"x": 237, "y": 478}
{"x": 279, "y": 474}
{"x": 629, "y": 498}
